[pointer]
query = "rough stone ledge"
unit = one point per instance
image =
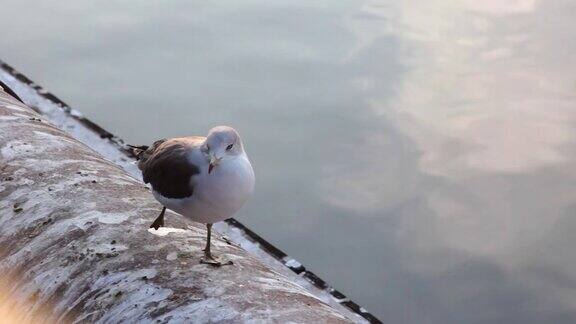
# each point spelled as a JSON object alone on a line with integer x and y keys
{"x": 75, "y": 244}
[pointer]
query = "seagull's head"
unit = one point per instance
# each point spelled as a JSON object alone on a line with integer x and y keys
{"x": 222, "y": 143}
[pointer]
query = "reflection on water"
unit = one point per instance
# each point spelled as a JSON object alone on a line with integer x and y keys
{"x": 417, "y": 154}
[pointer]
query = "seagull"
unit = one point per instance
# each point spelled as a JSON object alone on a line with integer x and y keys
{"x": 205, "y": 179}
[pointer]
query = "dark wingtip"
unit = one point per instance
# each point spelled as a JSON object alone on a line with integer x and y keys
{"x": 138, "y": 147}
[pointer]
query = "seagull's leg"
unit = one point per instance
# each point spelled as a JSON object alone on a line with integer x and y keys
{"x": 159, "y": 221}
{"x": 208, "y": 258}
{"x": 208, "y": 238}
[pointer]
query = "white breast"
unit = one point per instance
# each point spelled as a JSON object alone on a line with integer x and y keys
{"x": 220, "y": 194}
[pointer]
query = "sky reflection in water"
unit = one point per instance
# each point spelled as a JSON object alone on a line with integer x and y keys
{"x": 417, "y": 154}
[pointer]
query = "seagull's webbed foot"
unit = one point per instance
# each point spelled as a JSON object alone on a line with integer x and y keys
{"x": 159, "y": 221}
{"x": 208, "y": 258}
{"x": 213, "y": 261}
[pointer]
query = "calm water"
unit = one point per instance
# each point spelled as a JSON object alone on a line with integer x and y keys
{"x": 419, "y": 155}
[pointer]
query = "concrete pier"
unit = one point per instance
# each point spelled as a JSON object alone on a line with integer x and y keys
{"x": 75, "y": 244}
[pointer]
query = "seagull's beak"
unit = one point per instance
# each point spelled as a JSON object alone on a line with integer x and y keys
{"x": 213, "y": 162}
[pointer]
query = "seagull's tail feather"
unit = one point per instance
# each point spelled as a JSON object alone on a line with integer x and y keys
{"x": 138, "y": 150}
{"x": 144, "y": 152}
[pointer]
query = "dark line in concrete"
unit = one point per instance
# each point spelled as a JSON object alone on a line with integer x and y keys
{"x": 9, "y": 91}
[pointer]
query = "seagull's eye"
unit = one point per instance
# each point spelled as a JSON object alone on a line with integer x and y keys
{"x": 229, "y": 147}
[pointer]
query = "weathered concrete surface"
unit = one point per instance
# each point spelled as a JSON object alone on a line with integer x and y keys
{"x": 75, "y": 244}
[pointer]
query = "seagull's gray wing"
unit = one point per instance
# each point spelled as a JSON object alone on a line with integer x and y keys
{"x": 167, "y": 166}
